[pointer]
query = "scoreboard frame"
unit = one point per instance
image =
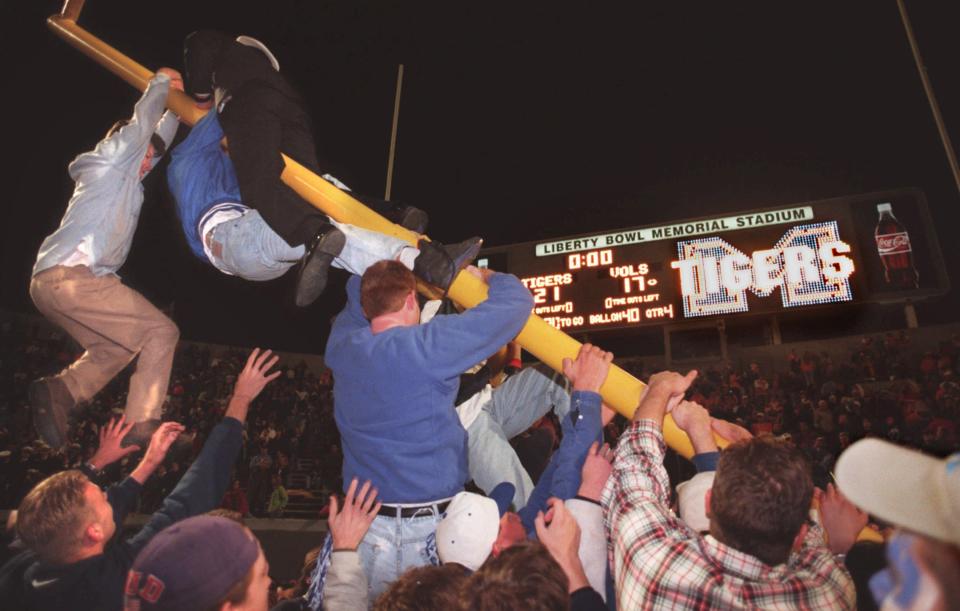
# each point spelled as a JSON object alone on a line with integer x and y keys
{"x": 762, "y": 261}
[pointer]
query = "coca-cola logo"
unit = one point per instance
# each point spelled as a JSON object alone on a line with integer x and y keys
{"x": 893, "y": 243}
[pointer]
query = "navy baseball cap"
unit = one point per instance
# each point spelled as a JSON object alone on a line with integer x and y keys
{"x": 191, "y": 565}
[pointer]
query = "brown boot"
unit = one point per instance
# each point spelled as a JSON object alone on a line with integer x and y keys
{"x": 51, "y": 403}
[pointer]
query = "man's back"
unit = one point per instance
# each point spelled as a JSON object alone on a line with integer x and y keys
{"x": 394, "y": 391}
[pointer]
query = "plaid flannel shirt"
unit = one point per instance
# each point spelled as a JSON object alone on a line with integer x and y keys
{"x": 660, "y": 563}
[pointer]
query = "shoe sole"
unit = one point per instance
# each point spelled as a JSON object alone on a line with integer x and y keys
{"x": 44, "y": 420}
{"x": 313, "y": 275}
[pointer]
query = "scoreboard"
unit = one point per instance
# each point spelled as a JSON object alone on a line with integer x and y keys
{"x": 872, "y": 247}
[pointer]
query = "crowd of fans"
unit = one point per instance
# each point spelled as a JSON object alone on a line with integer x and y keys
{"x": 293, "y": 420}
{"x": 820, "y": 403}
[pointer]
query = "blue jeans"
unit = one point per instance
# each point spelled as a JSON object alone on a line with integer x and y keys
{"x": 250, "y": 249}
{"x": 393, "y": 545}
{"x": 516, "y": 404}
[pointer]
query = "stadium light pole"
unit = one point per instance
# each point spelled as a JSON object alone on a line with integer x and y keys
{"x": 931, "y": 98}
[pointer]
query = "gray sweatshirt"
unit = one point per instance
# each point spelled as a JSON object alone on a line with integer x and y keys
{"x": 102, "y": 214}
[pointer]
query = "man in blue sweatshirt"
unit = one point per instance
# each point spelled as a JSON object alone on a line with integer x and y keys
{"x": 75, "y": 283}
{"x": 73, "y": 560}
{"x": 396, "y": 381}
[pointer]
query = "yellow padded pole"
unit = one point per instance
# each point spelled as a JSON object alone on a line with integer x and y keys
{"x": 621, "y": 391}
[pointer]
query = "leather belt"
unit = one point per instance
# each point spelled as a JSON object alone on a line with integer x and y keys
{"x": 394, "y": 511}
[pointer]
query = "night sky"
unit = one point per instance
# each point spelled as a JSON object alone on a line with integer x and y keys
{"x": 519, "y": 121}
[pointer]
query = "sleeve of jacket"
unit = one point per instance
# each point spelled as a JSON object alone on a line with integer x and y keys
{"x": 350, "y": 319}
{"x": 128, "y": 145}
{"x": 561, "y": 478}
{"x": 453, "y": 344}
{"x": 122, "y": 497}
{"x": 346, "y": 585}
{"x": 201, "y": 487}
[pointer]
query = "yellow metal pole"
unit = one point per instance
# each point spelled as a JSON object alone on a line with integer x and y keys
{"x": 621, "y": 391}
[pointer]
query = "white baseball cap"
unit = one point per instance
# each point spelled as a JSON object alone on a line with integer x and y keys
{"x": 905, "y": 487}
{"x": 690, "y": 500}
{"x": 470, "y": 526}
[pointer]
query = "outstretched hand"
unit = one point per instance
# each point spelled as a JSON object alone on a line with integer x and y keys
{"x": 560, "y": 534}
{"x": 109, "y": 450}
{"x": 349, "y": 525}
{"x": 161, "y": 441}
{"x": 664, "y": 391}
{"x": 596, "y": 471}
{"x": 176, "y": 81}
{"x": 590, "y": 368}
{"x": 254, "y": 376}
{"x": 842, "y": 520}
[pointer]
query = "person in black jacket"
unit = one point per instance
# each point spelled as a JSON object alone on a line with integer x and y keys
{"x": 73, "y": 560}
{"x": 262, "y": 115}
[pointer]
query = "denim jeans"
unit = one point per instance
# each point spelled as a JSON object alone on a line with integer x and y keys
{"x": 250, "y": 249}
{"x": 393, "y": 545}
{"x": 516, "y": 404}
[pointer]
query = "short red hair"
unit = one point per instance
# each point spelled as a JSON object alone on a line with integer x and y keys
{"x": 384, "y": 287}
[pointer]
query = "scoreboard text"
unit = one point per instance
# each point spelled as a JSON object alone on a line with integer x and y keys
{"x": 758, "y": 262}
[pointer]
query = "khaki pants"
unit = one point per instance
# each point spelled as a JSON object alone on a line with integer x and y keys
{"x": 114, "y": 324}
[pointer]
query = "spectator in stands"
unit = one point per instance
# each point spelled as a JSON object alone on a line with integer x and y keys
{"x": 920, "y": 495}
{"x": 73, "y": 560}
{"x": 203, "y": 562}
{"x": 75, "y": 284}
{"x": 396, "y": 381}
{"x": 236, "y": 499}
{"x": 259, "y": 480}
{"x": 278, "y": 498}
{"x": 758, "y": 509}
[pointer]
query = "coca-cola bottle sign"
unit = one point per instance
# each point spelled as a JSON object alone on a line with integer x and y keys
{"x": 893, "y": 243}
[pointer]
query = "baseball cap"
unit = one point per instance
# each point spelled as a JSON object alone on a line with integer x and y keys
{"x": 905, "y": 487}
{"x": 190, "y": 565}
{"x": 470, "y": 526}
{"x": 690, "y": 500}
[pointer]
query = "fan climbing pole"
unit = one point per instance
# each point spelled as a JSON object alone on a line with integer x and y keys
{"x": 621, "y": 391}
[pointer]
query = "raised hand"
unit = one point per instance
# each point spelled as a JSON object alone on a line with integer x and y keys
{"x": 590, "y": 368}
{"x": 349, "y": 525}
{"x": 842, "y": 520}
{"x": 254, "y": 376}
{"x": 161, "y": 441}
{"x": 560, "y": 534}
{"x": 730, "y": 431}
{"x": 109, "y": 450}
{"x": 176, "y": 81}
{"x": 596, "y": 470}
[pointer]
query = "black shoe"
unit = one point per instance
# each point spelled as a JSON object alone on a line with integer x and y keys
{"x": 51, "y": 403}
{"x": 438, "y": 264}
{"x": 315, "y": 265}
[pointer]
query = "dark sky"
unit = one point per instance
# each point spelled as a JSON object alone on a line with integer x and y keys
{"x": 519, "y": 121}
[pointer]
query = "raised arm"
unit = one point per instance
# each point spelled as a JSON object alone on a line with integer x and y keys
{"x": 452, "y": 344}
{"x": 129, "y": 143}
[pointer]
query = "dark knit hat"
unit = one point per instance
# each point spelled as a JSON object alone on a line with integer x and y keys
{"x": 191, "y": 565}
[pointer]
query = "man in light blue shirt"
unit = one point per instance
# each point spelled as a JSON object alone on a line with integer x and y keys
{"x": 75, "y": 283}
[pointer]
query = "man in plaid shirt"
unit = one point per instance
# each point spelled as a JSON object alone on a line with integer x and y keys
{"x": 762, "y": 551}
